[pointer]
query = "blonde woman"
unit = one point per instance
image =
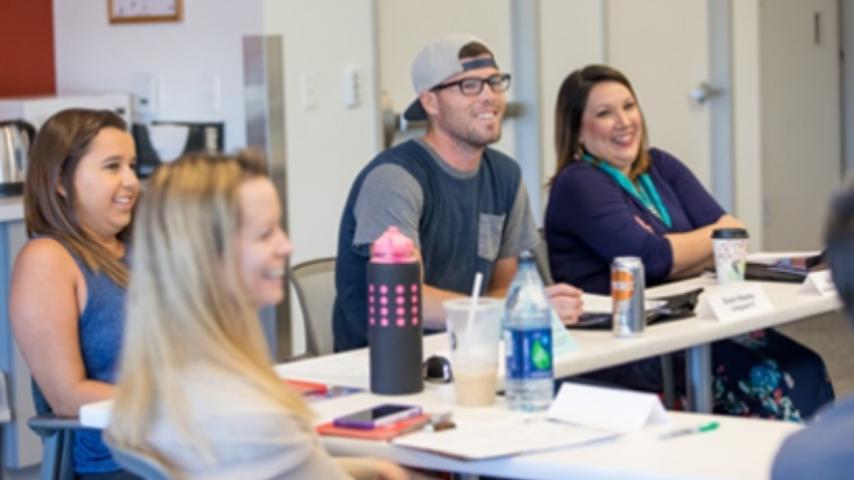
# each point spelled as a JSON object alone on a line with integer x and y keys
{"x": 197, "y": 389}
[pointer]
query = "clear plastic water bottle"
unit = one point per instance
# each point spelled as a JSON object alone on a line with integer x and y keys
{"x": 528, "y": 340}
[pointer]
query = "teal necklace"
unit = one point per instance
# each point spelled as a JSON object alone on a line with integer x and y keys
{"x": 647, "y": 195}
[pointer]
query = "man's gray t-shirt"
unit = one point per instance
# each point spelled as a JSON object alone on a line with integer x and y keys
{"x": 462, "y": 222}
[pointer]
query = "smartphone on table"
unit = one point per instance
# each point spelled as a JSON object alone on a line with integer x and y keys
{"x": 377, "y": 416}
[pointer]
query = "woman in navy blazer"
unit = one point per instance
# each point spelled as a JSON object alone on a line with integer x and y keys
{"x": 612, "y": 195}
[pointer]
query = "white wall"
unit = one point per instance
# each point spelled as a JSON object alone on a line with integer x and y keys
{"x": 187, "y": 58}
{"x": 328, "y": 144}
{"x": 801, "y": 136}
{"x": 663, "y": 72}
{"x": 747, "y": 149}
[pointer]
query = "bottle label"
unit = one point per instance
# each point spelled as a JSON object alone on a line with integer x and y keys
{"x": 622, "y": 284}
{"x": 529, "y": 353}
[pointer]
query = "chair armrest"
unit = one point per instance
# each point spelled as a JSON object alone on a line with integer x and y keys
{"x": 48, "y": 424}
{"x": 296, "y": 358}
{"x": 57, "y": 435}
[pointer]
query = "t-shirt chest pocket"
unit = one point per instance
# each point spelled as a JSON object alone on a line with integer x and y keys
{"x": 489, "y": 232}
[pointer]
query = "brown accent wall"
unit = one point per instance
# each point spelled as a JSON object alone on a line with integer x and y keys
{"x": 27, "y": 64}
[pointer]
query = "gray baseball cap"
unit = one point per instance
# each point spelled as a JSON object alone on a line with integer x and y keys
{"x": 438, "y": 61}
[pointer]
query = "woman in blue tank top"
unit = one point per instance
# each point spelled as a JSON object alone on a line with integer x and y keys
{"x": 69, "y": 280}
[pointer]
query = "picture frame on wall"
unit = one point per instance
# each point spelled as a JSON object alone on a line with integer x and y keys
{"x": 143, "y": 11}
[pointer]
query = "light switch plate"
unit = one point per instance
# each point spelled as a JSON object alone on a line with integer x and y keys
{"x": 145, "y": 89}
{"x": 351, "y": 86}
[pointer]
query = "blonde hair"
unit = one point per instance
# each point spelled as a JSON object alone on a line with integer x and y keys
{"x": 185, "y": 284}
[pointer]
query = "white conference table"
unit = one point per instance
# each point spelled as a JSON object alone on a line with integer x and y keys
{"x": 600, "y": 349}
{"x": 740, "y": 448}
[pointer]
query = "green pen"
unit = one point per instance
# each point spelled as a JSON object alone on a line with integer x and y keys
{"x": 706, "y": 427}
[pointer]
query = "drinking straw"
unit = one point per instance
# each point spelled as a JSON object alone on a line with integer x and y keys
{"x": 475, "y": 293}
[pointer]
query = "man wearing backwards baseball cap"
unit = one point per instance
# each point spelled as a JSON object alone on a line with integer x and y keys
{"x": 462, "y": 203}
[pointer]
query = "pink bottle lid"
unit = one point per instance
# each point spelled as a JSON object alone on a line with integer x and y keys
{"x": 393, "y": 247}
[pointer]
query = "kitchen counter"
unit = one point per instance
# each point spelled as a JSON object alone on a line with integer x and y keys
{"x": 11, "y": 208}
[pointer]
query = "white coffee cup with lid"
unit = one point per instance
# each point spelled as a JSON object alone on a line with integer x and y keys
{"x": 730, "y": 247}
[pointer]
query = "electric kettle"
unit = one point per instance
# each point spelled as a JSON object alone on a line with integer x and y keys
{"x": 16, "y": 136}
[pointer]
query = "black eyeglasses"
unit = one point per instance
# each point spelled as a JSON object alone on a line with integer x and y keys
{"x": 472, "y": 86}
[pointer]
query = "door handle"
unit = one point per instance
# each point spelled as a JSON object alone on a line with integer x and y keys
{"x": 704, "y": 92}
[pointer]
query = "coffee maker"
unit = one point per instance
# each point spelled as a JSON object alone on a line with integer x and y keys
{"x": 16, "y": 137}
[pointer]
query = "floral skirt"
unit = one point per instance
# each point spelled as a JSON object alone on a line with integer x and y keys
{"x": 762, "y": 374}
{"x": 767, "y": 374}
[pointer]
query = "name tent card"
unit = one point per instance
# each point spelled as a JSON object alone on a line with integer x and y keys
{"x": 607, "y": 408}
{"x": 736, "y": 302}
{"x": 820, "y": 283}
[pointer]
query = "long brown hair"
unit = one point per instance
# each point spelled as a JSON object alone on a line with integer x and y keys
{"x": 569, "y": 110}
{"x": 57, "y": 149}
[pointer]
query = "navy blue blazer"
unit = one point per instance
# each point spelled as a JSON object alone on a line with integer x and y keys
{"x": 590, "y": 220}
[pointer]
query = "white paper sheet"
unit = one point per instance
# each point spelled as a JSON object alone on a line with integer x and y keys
{"x": 602, "y": 303}
{"x": 596, "y": 303}
{"x": 507, "y": 436}
{"x": 607, "y": 408}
